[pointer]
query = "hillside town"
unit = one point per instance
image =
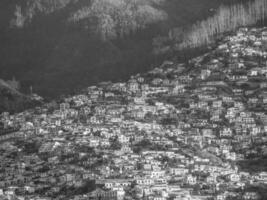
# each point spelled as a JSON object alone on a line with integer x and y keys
{"x": 183, "y": 131}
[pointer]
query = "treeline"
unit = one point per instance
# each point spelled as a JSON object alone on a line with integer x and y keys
{"x": 227, "y": 18}
{"x": 118, "y": 18}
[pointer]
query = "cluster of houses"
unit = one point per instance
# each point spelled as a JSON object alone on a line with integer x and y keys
{"x": 178, "y": 132}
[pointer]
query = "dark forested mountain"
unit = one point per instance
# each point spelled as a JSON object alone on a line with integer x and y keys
{"x": 58, "y": 46}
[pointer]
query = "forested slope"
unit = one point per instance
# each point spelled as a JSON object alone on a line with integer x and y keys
{"x": 226, "y": 19}
{"x": 59, "y": 46}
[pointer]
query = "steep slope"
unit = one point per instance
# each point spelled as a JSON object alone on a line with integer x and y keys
{"x": 59, "y": 46}
{"x": 194, "y": 130}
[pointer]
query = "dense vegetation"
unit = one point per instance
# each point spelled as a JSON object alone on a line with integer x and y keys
{"x": 26, "y": 11}
{"x": 118, "y": 18}
{"x": 227, "y": 18}
{"x": 57, "y": 46}
{"x": 113, "y": 19}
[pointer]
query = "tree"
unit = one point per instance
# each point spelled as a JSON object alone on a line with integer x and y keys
{"x": 119, "y": 18}
{"x": 227, "y": 18}
{"x": 115, "y": 144}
